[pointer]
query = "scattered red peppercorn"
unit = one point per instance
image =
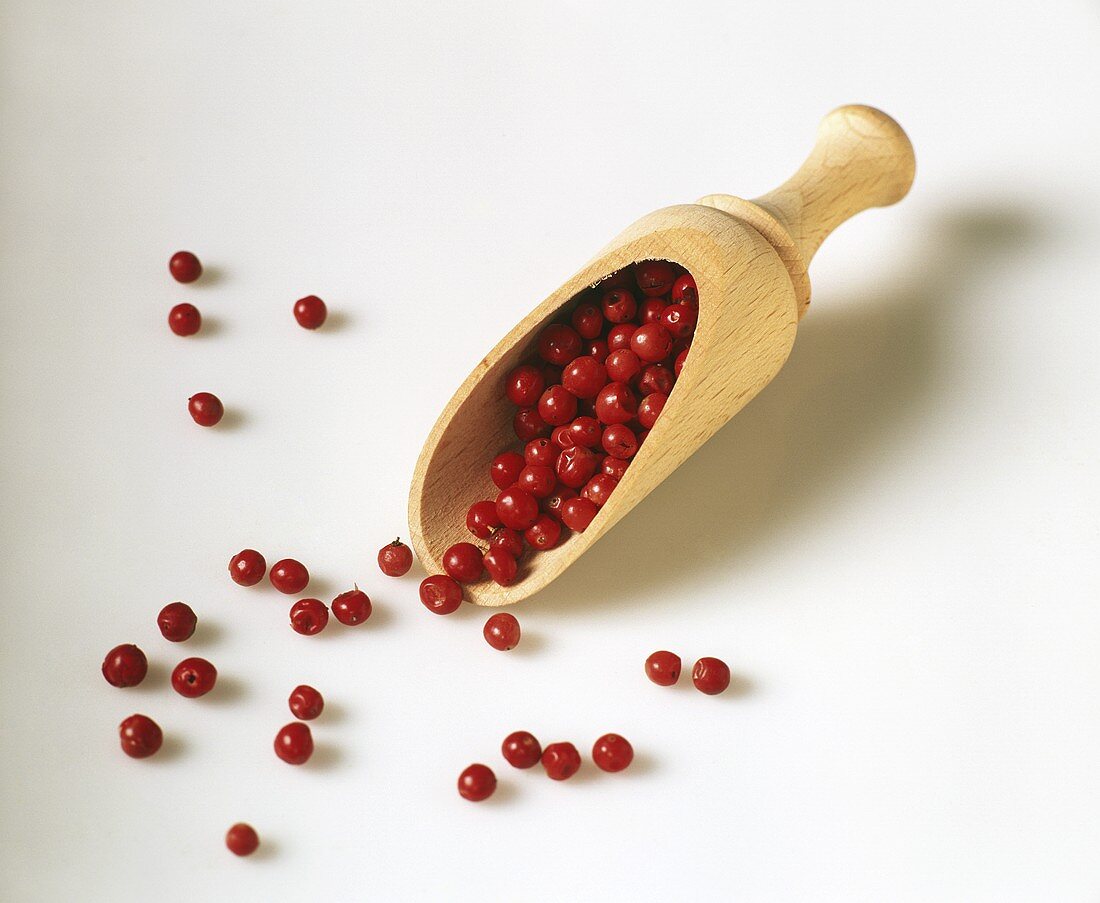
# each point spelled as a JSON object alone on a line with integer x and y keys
{"x": 308, "y": 616}
{"x": 247, "y": 567}
{"x": 623, "y": 365}
{"x": 294, "y": 743}
{"x": 684, "y": 290}
{"x": 619, "y": 337}
{"x": 561, "y": 761}
{"x": 678, "y": 364}
{"x": 612, "y": 752}
{"x": 576, "y": 466}
{"x": 305, "y": 702}
{"x": 241, "y": 839}
{"x": 481, "y": 519}
{"x": 395, "y": 558}
{"x": 140, "y": 736}
{"x": 543, "y": 534}
{"x": 710, "y": 676}
{"x": 505, "y": 468}
{"x": 652, "y": 343}
{"x": 619, "y": 441}
{"x": 587, "y": 319}
{"x": 582, "y": 377}
{"x": 616, "y": 403}
{"x": 477, "y": 783}
{"x": 554, "y": 503}
{"x": 521, "y": 750}
{"x": 619, "y": 305}
{"x": 351, "y": 607}
{"x": 651, "y": 310}
{"x": 194, "y": 677}
{"x": 655, "y": 277}
{"x": 184, "y": 266}
{"x": 517, "y": 508}
{"x": 614, "y": 468}
{"x": 524, "y": 385}
{"x": 205, "y": 408}
{"x": 650, "y": 407}
{"x": 501, "y": 566}
{"x": 528, "y": 424}
{"x": 558, "y": 406}
{"x": 125, "y": 666}
{"x": 656, "y": 378}
{"x": 663, "y": 668}
{"x": 310, "y": 312}
{"x": 177, "y": 622}
{"x": 502, "y": 631}
{"x": 508, "y": 541}
{"x": 462, "y": 561}
{"x": 598, "y": 490}
{"x": 184, "y": 319}
{"x": 577, "y": 513}
{"x": 440, "y": 594}
{"x": 559, "y": 344}
{"x": 680, "y": 320}
{"x": 289, "y": 576}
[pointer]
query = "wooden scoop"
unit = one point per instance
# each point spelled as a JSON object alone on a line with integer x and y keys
{"x": 749, "y": 260}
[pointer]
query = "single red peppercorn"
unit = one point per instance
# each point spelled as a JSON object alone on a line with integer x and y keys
{"x": 194, "y": 677}
{"x": 587, "y": 319}
{"x": 139, "y": 736}
{"x": 481, "y": 519}
{"x": 559, "y": 344}
{"x": 477, "y": 783}
{"x": 501, "y": 566}
{"x": 597, "y": 348}
{"x": 205, "y": 408}
{"x": 351, "y": 607}
{"x": 652, "y": 342}
{"x": 557, "y": 405}
{"x": 623, "y": 365}
{"x": 614, "y": 467}
{"x": 305, "y": 702}
{"x": 616, "y": 403}
{"x": 517, "y": 508}
{"x": 623, "y": 278}
{"x": 577, "y": 513}
{"x": 612, "y": 753}
{"x": 710, "y": 676}
{"x": 528, "y": 424}
{"x": 684, "y": 290}
{"x": 508, "y": 541}
{"x": 440, "y": 594}
{"x": 655, "y": 277}
{"x": 619, "y": 441}
{"x": 505, "y": 468}
{"x": 585, "y": 431}
{"x": 663, "y": 668}
{"x": 521, "y": 749}
{"x": 463, "y": 562}
{"x": 619, "y": 305}
{"x": 537, "y": 480}
{"x": 543, "y": 534}
{"x": 184, "y": 319}
{"x": 501, "y": 631}
{"x": 125, "y": 666}
{"x": 308, "y": 616}
{"x": 680, "y": 320}
{"x": 561, "y": 761}
{"x": 524, "y": 385}
{"x": 538, "y": 453}
{"x": 241, "y": 839}
{"x": 395, "y": 558}
{"x": 289, "y": 576}
{"x": 651, "y": 310}
{"x": 177, "y": 622}
{"x": 583, "y": 377}
{"x": 310, "y": 312}
{"x": 553, "y": 503}
{"x": 649, "y": 409}
{"x": 576, "y": 465}
{"x": 598, "y": 490}
{"x": 294, "y": 743}
{"x": 247, "y": 567}
{"x": 184, "y": 266}
{"x": 619, "y": 337}
{"x": 656, "y": 378}
{"x": 562, "y": 437}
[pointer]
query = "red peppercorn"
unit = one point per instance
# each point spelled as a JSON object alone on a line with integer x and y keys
{"x": 125, "y": 666}
{"x": 678, "y": 365}
{"x": 656, "y": 378}
{"x": 651, "y": 310}
{"x": 477, "y": 783}
{"x": 289, "y": 576}
{"x": 463, "y": 562}
{"x": 623, "y": 365}
{"x": 619, "y": 441}
{"x": 598, "y": 490}
{"x": 650, "y": 407}
{"x": 619, "y": 336}
{"x": 177, "y": 622}
{"x": 561, "y": 761}
{"x": 562, "y": 438}
{"x": 710, "y": 676}
{"x": 521, "y": 749}
{"x": 501, "y": 631}
{"x": 597, "y": 348}
{"x": 537, "y": 480}
{"x": 616, "y": 403}
{"x": 543, "y": 534}
{"x": 557, "y": 405}
{"x": 184, "y": 266}
{"x": 614, "y": 468}
{"x": 528, "y": 424}
{"x": 501, "y": 566}
{"x": 576, "y": 465}
{"x": 619, "y": 305}
{"x": 652, "y": 342}
{"x": 517, "y": 508}
{"x": 194, "y": 677}
{"x": 684, "y": 290}
{"x": 612, "y": 752}
{"x": 553, "y": 504}
{"x": 539, "y": 453}
{"x": 247, "y": 567}
{"x": 508, "y": 541}
{"x": 205, "y": 408}
{"x": 395, "y": 558}
{"x": 621, "y": 279}
{"x": 655, "y": 277}
{"x": 351, "y": 607}
{"x": 440, "y": 594}
{"x": 139, "y": 736}
{"x": 310, "y": 312}
{"x": 294, "y": 743}
{"x": 663, "y": 668}
{"x": 558, "y": 344}
{"x": 585, "y": 431}
{"x": 505, "y": 468}
{"x": 587, "y": 319}
{"x": 583, "y": 377}
{"x": 308, "y": 616}
{"x": 305, "y": 702}
{"x": 481, "y": 519}
{"x": 680, "y": 320}
{"x": 524, "y": 385}
{"x": 242, "y": 839}
{"x": 577, "y": 513}
{"x": 184, "y": 319}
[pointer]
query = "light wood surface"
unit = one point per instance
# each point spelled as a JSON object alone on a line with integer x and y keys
{"x": 749, "y": 261}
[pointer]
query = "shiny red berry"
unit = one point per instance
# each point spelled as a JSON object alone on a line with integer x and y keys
{"x": 663, "y": 668}
{"x": 537, "y": 480}
{"x": 395, "y": 558}
{"x": 524, "y": 385}
{"x": 501, "y": 566}
{"x": 655, "y": 277}
{"x": 310, "y": 312}
{"x": 598, "y": 490}
{"x": 619, "y": 305}
{"x": 623, "y": 365}
{"x": 578, "y": 513}
{"x": 501, "y": 631}
{"x": 616, "y": 403}
{"x": 521, "y": 750}
{"x": 587, "y": 319}
{"x": 517, "y": 508}
{"x": 543, "y": 534}
{"x": 585, "y": 431}
{"x": 294, "y": 743}
{"x": 652, "y": 343}
{"x": 462, "y": 561}
{"x": 597, "y": 348}
{"x": 125, "y": 666}
{"x": 351, "y": 607}
{"x": 194, "y": 677}
{"x": 619, "y": 441}
{"x": 247, "y": 567}
{"x": 614, "y": 467}
{"x": 440, "y": 594}
{"x": 289, "y": 576}
{"x": 554, "y": 503}
{"x": 656, "y": 378}
{"x": 477, "y": 783}
{"x": 650, "y": 407}
{"x": 538, "y": 453}
{"x": 561, "y": 761}
{"x": 482, "y": 519}
{"x": 557, "y": 405}
{"x": 308, "y": 616}
{"x": 559, "y": 344}
{"x": 305, "y": 702}
{"x": 619, "y": 337}
{"x": 576, "y": 465}
{"x": 241, "y": 839}
{"x": 177, "y": 622}
{"x": 139, "y": 736}
{"x": 684, "y": 290}
{"x": 505, "y": 468}
{"x": 184, "y": 266}
{"x": 205, "y": 408}
{"x": 583, "y": 377}
{"x": 680, "y": 320}
{"x": 184, "y": 319}
{"x": 528, "y": 424}
{"x": 710, "y": 676}
{"x": 612, "y": 752}
{"x": 508, "y": 541}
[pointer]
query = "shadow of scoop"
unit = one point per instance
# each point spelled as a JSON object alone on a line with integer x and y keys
{"x": 861, "y": 375}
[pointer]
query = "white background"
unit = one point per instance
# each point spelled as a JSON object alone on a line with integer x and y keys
{"x": 894, "y": 546}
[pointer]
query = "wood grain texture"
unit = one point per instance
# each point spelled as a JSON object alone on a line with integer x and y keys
{"x": 745, "y": 259}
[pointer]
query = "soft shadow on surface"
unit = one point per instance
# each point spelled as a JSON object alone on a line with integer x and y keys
{"x": 860, "y": 375}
